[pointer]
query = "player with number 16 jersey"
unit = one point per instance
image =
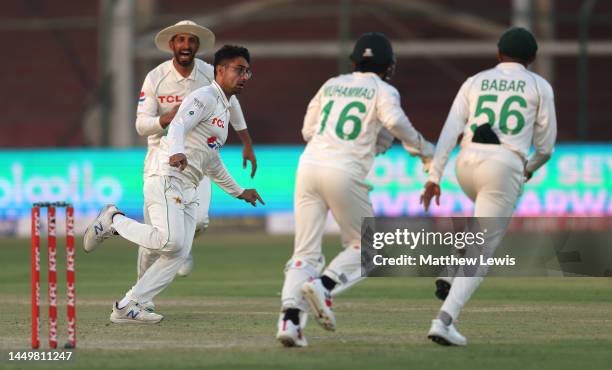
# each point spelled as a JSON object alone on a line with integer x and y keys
{"x": 341, "y": 126}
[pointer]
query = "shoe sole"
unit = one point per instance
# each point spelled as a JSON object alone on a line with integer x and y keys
{"x": 322, "y": 317}
{"x": 289, "y": 342}
{"x": 439, "y": 340}
{"x": 442, "y": 289}
{"x": 132, "y": 321}
{"x": 85, "y": 236}
{"x": 286, "y": 341}
{"x": 88, "y": 230}
{"x": 442, "y": 340}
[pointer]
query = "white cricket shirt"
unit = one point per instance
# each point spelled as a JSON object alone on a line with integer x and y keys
{"x": 517, "y": 103}
{"x": 344, "y": 118}
{"x": 163, "y": 88}
{"x": 199, "y": 130}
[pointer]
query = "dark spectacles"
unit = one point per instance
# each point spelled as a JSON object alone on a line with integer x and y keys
{"x": 243, "y": 71}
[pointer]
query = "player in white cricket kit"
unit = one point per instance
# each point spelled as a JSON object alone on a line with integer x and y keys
{"x": 500, "y": 112}
{"x": 163, "y": 90}
{"x": 189, "y": 152}
{"x": 341, "y": 126}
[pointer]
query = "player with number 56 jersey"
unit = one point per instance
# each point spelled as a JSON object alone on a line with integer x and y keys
{"x": 501, "y": 112}
{"x": 516, "y": 103}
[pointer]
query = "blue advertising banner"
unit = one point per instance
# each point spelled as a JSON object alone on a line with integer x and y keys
{"x": 577, "y": 181}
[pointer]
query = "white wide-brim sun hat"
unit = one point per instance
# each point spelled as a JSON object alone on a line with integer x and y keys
{"x": 206, "y": 37}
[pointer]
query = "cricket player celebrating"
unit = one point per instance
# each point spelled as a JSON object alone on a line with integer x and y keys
{"x": 500, "y": 112}
{"x": 189, "y": 152}
{"x": 341, "y": 126}
{"x": 162, "y": 92}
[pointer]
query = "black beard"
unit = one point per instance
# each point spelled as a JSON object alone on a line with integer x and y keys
{"x": 187, "y": 63}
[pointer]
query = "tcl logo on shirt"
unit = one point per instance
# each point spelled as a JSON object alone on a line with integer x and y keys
{"x": 170, "y": 99}
{"x": 219, "y": 122}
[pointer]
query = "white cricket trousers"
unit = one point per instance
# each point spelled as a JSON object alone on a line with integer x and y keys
{"x": 172, "y": 207}
{"x": 146, "y": 256}
{"x": 492, "y": 177}
{"x": 318, "y": 190}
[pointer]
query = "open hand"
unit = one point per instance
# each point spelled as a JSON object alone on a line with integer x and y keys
{"x": 431, "y": 189}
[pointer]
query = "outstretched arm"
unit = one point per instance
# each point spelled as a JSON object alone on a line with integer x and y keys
{"x": 219, "y": 175}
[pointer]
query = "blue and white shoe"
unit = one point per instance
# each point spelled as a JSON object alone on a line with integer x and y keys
{"x": 133, "y": 313}
{"x": 101, "y": 229}
{"x": 148, "y": 306}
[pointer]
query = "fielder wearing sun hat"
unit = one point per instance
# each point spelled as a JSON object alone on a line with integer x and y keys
{"x": 519, "y": 43}
{"x": 204, "y": 35}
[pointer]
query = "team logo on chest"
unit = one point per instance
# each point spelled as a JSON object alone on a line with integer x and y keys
{"x": 214, "y": 143}
{"x": 170, "y": 99}
{"x": 217, "y": 122}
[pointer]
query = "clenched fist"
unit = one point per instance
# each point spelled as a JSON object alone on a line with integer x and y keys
{"x": 178, "y": 160}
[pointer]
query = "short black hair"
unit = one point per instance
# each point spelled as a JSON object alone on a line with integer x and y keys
{"x": 228, "y": 52}
{"x": 518, "y": 43}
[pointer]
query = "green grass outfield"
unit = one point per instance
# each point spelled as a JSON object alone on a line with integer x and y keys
{"x": 224, "y": 316}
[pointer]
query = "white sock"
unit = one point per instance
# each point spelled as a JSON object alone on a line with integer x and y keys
{"x": 118, "y": 218}
{"x": 346, "y": 264}
{"x": 295, "y": 277}
{"x": 459, "y": 294}
{"x": 124, "y": 302}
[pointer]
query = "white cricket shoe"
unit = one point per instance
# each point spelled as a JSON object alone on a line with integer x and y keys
{"x": 445, "y": 335}
{"x": 290, "y": 335}
{"x": 133, "y": 313}
{"x": 320, "y": 302}
{"x": 148, "y": 306}
{"x": 186, "y": 267}
{"x": 101, "y": 229}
